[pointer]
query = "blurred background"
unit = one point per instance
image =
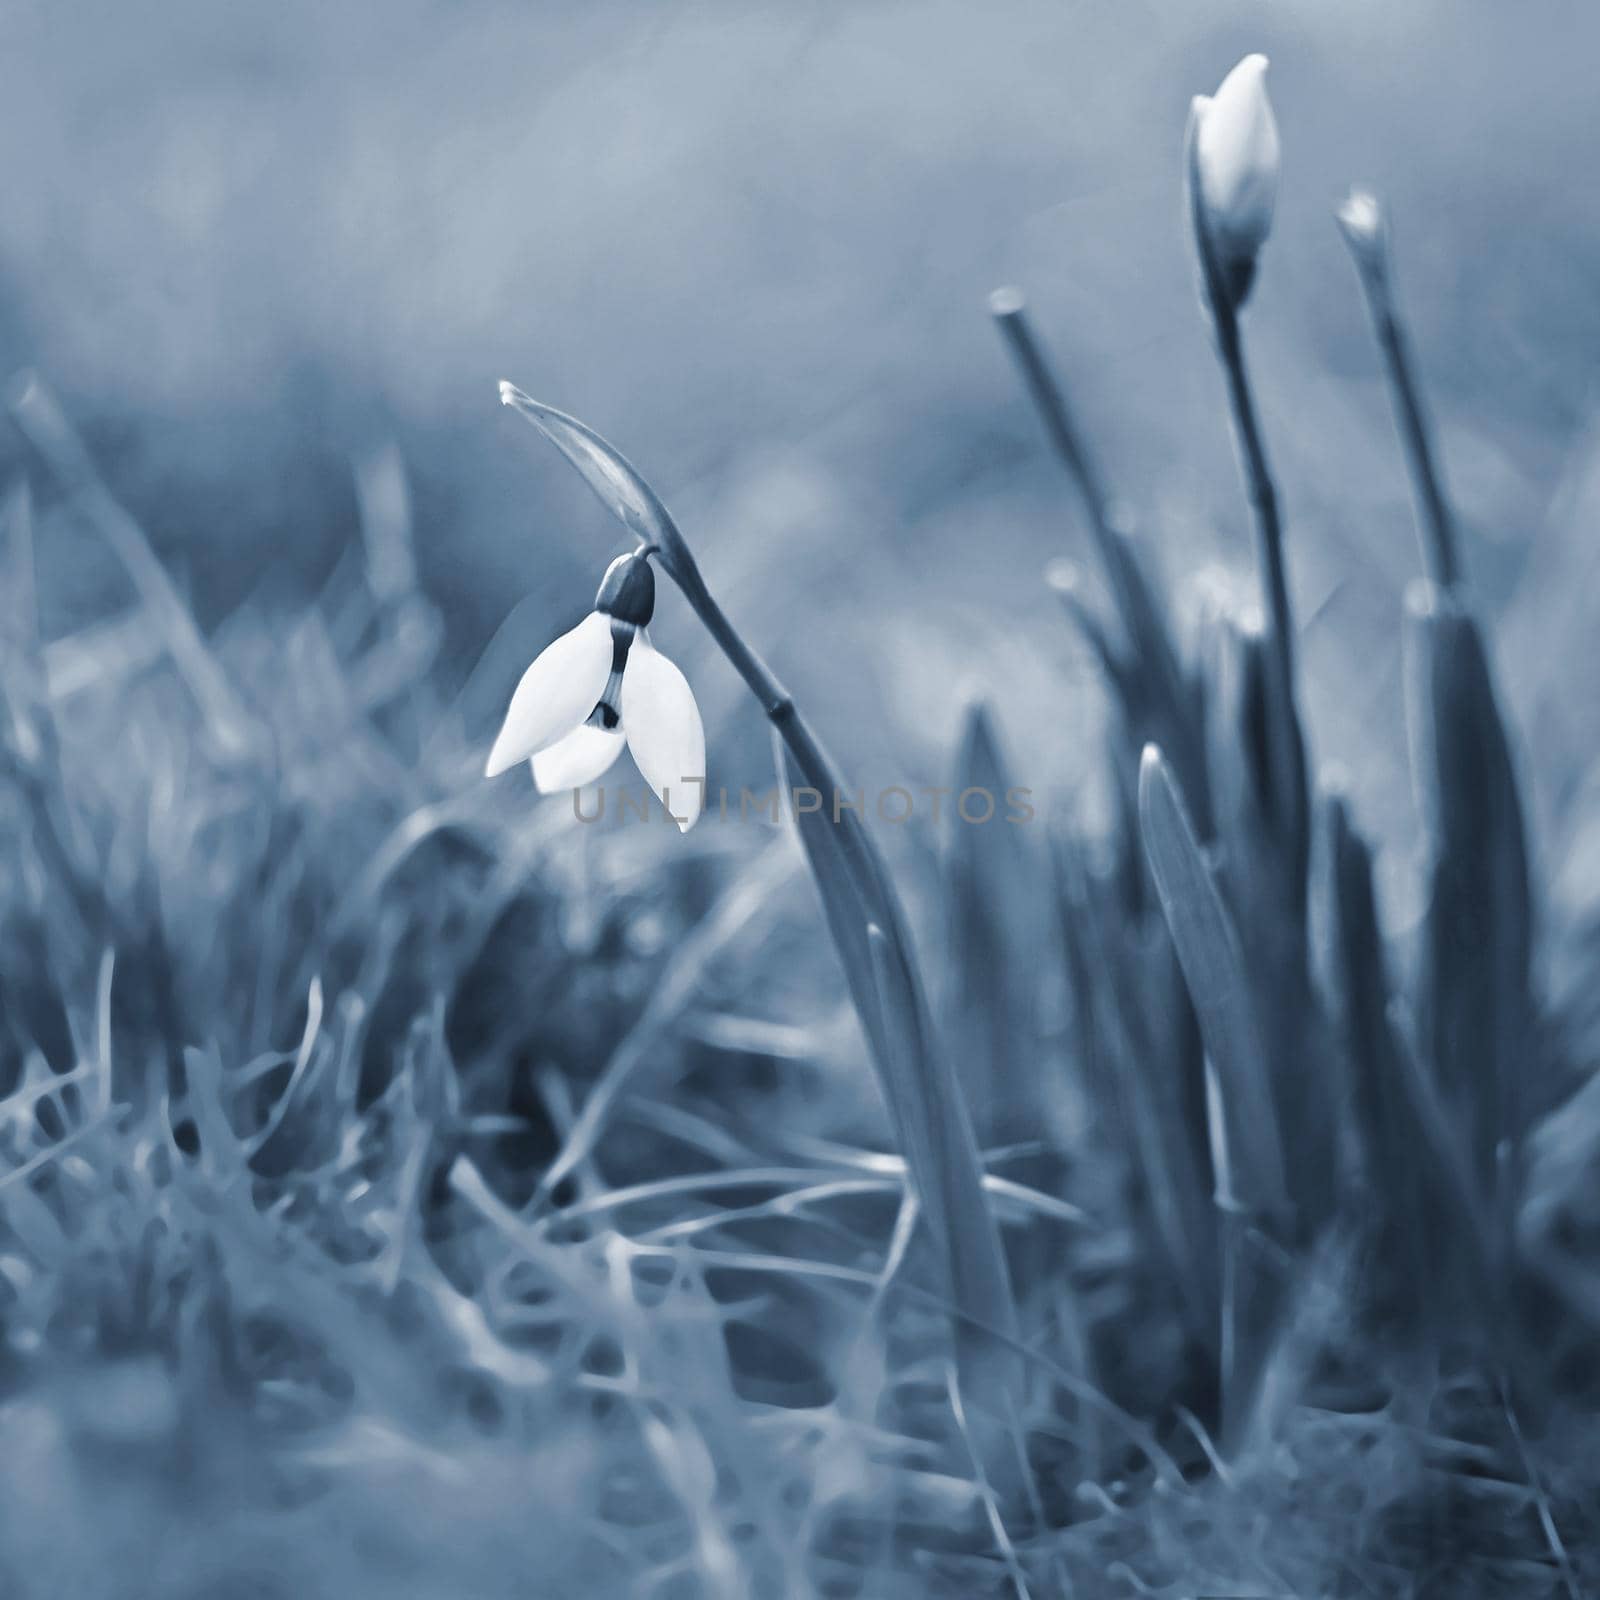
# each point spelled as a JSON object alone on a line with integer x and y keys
{"x": 752, "y": 245}
{"x": 286, "y": 1321}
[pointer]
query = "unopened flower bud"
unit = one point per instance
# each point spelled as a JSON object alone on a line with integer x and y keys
{"x": 1236, "y": 162}
{"x": 1360, "y": 219}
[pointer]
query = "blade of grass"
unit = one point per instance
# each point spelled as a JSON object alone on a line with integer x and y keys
{"x": 1426, "y": 1215}
{"x": 23, "y": 684}
{"x": 921, "y": 1093}
{"x": 1265, "y": 839}
{"x": 995, "y": 937}
{"x": 1247, "y": 1152}
{"x": 1149, "y": 678}
{"x": 676, "y": 988}
{"x": 1476, "y": 1012}
{"x": 42, "y": 421}
{"x": 1208, "y": 949}
{"x": 1143, "y": 1024}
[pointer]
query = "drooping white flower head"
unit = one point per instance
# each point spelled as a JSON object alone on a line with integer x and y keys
{"x": 599, "y": 686}
{"x": 1237, "y": 158}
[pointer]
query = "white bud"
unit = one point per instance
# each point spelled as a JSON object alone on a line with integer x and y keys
{"x": 1361, "y": 222}
{"x": 1236, "y": 152}
{"x": 1361, "y": 215}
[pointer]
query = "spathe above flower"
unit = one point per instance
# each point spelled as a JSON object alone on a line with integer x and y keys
{"x": 1235, "y": 160}
{"x": 604, "y": 684}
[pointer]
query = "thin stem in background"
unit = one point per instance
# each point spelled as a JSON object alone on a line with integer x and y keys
{"x": 1365, "y": 230}
{"x": 1152, "y": 660}
{"x": 1134, "y": 600}
{"x": 1011, "y": 317}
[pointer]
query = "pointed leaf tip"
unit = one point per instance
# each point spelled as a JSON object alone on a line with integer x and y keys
{"x": 618, "y": 485}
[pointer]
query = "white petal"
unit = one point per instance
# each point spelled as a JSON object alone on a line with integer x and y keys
{"x": 1237, "y": 153}
{"x": 556, "y": 693}
{"x": 662, "y": 723}
{"x": 578, "y": 759}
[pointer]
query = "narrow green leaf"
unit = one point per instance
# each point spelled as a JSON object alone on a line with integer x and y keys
{"x": 1247, "y": 1146}
{"x": 1475, "y": 1007}
{"x": 1260, "y": 794}
{"x": 1429, "y": 1236}
{"x": 923, "y": 1098}
{"x": 23, "y": 688}
{"x": 37, "y": 413}
{"x": 995, "y": 933}
{"x": 1132, "y": 1011}
{"x": 943, "y": 1158}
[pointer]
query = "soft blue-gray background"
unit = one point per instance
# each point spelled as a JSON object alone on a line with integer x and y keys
{"x": 752, "y": 245}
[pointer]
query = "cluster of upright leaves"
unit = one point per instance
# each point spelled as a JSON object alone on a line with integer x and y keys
{"x": 1324, "y": 1102}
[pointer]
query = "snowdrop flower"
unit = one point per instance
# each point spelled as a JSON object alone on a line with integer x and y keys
{"x": 604, "y": 684}
{"x": 1236, "y": 161}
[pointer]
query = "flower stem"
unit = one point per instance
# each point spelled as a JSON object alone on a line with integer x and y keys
{"x": 1261, "y": 492}
{"x": 1223, "y": 305}
{"x": 1436, "y": 526}
{"x": 628, "y": 496}
{"x": 814, "y": 763}
{"x": 1286, "y": 753}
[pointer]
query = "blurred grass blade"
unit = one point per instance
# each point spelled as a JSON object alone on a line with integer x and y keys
{"x": 1257, "y": 1217}
{"x": 1149, "y": 679}
{"x": 1256, "y": 758}
{"x": 23, "y": 684}
{"x": 1142, "y": 618}
{"x": 743, "y": 903}
{"x": 1476, "y": 1014}
{"x": 1261, "y": 794}
{"x": 848, "y": 916}
{"x": 1208, "y": 949}
{"x": 384, "y": 499}
{"x": 1125, "y": 1011}
{"x": 1428, "y": 1224}
{"x": 942, "y": 1157}
{"x": 995, "y": 935}
{"x": 46, "y": 427}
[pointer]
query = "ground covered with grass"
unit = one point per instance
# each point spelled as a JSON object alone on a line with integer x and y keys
{"x": 409, "y": 1188}
{"x": 298, "y": 1012}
